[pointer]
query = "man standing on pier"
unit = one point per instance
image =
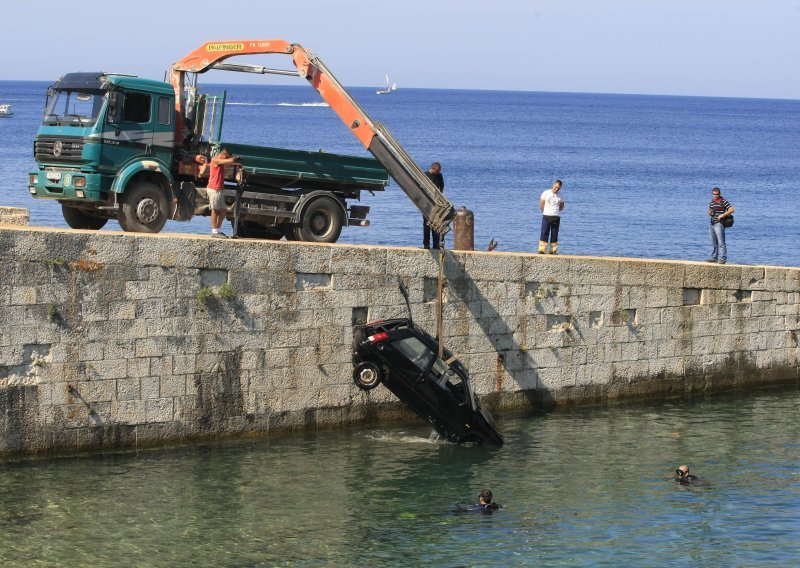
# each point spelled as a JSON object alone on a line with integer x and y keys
{"x": 551, "y": 204}
{"x": 720, "y": 211}
{"x": 216, "y": 184}
{"x": 435, "y": 175}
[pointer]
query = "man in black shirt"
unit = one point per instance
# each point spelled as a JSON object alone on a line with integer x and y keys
{"x": 435, "y": 175}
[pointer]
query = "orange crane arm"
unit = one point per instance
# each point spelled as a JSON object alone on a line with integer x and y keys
{"x": 210, "y": 53}
{"x": 438, "y": 211}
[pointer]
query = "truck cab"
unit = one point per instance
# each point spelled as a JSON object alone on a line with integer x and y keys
{"x": 104, "y": 150}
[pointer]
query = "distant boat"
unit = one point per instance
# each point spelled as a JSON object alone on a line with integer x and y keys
{"x": 389, "y": 88}
{"x": 5, "y": 111}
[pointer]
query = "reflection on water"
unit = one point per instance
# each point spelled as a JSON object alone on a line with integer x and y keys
{"x": 579, "y": 487}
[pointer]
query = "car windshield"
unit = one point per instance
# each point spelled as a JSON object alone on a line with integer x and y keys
{"x": 73, "y": 108}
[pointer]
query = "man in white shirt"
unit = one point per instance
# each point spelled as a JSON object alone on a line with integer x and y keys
{"x": 551, "y": 203}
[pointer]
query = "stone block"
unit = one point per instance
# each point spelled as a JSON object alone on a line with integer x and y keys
{"x": 593, "y": 271}
{"x": 712, "y": 276}
{"x": 137, "y": 367}
{"x": 95, "y": 390}
{"x": 666, "y": 274}
{"x": 771, "y": 323}
{"x": 633, "y": 272}
{"x": 544, "y": 268}
{"x": 108, "y": 369}
{"x": 412, "y": 263}
{"x": 14, "y": 216}
{"x": 122, "y": 310}
{"x": 593, "y": 373}
{"x": 752, "y": 278}
{"x": 631, "y": 370}
{"x": 150, "y": 387}
{"x": 128, "y": 389}
{"x": 503, "y": 267}
{"x": 311, "y": 258}
{"x": 23, "y": 296}
{"x": 361, "y": 261}
{"x": 172, "y": 386}
{"x": 781, "y": 279}
{"x": 554, "y": 379}
{"x": 159, "y": 410}
{"x": 128, "y": 412}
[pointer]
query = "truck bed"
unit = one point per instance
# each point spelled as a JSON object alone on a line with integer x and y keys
{"x": 282, "y": 168}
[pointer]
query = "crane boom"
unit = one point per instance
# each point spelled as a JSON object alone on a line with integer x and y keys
{"x": 433, "y": 205}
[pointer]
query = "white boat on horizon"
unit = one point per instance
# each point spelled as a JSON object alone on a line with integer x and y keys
{"x": 5, "y": 111}
{"x": 389, "y": 88}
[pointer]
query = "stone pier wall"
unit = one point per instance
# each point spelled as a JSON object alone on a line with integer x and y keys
{"x": 111, "y": 340}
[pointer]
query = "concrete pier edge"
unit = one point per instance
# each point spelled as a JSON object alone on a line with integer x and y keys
{"x": 113, "y": 340}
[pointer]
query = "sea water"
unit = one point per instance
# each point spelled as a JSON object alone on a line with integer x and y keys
{"x": 584, "y": 487}
{"x": 587, "y": 487}
{"x": 637, "y": 170}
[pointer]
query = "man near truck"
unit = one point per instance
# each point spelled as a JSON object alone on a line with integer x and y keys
{"x": 216, "y": 183}
{"x": 434, "y": 174}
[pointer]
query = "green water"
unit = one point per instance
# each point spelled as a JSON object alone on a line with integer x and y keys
{"x": 584, "y": 487}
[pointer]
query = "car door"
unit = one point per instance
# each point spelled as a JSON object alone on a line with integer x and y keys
{"x": 408, "y": 360}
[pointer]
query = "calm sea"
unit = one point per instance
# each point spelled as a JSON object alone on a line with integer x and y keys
{"x": 637, "y": 170}
{"x": 589, "y": 487}
{"x": 585, "y": 487}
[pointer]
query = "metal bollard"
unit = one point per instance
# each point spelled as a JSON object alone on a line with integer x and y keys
{"x": 464, "y": 230}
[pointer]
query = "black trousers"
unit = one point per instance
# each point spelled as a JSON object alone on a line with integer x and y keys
{"x": 427, "y": 233}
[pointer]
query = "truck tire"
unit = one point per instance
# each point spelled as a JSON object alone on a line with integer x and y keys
{"x": 79, "y": 219}
{"x": 144, "y": 208}
{"x": 251, "y": 230}
{"x": 320, "y": 222}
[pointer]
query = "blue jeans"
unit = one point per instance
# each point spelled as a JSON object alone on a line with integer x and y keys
{"x": 719, "y": 250}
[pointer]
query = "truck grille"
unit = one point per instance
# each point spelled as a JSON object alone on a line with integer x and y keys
{"x": 57, "y": 149}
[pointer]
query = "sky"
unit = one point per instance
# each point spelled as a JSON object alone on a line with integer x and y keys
{"x": 732, "y": 48}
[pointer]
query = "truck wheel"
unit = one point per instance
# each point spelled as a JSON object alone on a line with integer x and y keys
{"x": 79, "y": 219}
{"x": 144, "y": 209}
{"x": 321, "y": 221}
{"x": 251, "y": 230}
{"x": 367, "y": 375}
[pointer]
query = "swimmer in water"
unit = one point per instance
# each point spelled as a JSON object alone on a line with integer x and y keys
{"x": 683, "y": 476}
{"x": 484, "y": 504}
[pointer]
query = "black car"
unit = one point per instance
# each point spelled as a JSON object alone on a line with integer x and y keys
{"x": 404, "y": 357}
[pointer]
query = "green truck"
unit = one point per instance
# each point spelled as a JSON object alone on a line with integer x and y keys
{"x": 109, "y": 148}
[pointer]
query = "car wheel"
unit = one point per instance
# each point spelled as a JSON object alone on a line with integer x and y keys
{"x": 367, "y": 375}
{"x": 321, "y": 222}
{"x": 79, "y": 219}
{"x": 144, "y": 209}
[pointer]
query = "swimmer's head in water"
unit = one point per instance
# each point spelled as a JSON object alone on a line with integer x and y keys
{"x": 486, "y": 496}
{"x": 682, "y": 471}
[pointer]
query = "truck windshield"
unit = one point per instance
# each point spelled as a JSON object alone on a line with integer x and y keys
{"x": 73, "y": 108}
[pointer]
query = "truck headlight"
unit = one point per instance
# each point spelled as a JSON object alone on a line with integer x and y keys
{"x": 79, "y": 181}
{"x": 33, "y": 179}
